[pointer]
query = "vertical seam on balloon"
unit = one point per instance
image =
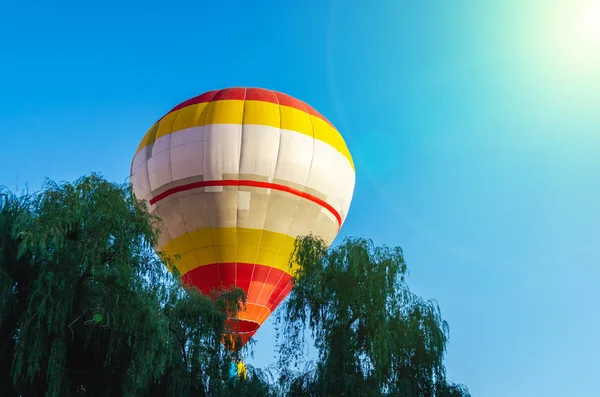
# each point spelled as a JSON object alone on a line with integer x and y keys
{"x": 240, "y": 171}
{"x": 197, "y": 255}
{"x": 149, "y": 149}
{"x": 205, "y": 148}
{"x": 278, "y": 153}
{"x": 313, "y": 151}
{"x": 178, "y": 114}
{"x": 237, "y": 219}
{"x": 288, "y": 260}
{"x": 205, "y": 208}
{"x": 148, "y": 195}
{"x": 170, "y": 134}
{"x": 264, "y": 282}
{"x": 257, "y": 315}
{"x": 176, "y": 199}
{"x": 275, "y": 171}
{"x": 148, "y": 169}
{"x": 131, "y": 172}
{"x": 305, "y": 185}
{"x": 289, "y": 227}
{"x": 214, "y": 246}
{"x": 269, "y": 198}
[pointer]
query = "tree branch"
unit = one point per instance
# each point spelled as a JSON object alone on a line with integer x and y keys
{"x": 73, "y": 322}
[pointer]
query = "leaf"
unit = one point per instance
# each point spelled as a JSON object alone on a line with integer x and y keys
{"x": 97, "y": 318}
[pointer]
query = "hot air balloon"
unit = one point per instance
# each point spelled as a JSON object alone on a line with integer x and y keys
{"x": 236, "y": 175}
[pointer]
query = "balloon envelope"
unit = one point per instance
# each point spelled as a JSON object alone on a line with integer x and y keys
{"x": 236, "y": 175}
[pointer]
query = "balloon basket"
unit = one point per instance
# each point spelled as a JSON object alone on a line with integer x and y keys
{"x": 237, "y": 370}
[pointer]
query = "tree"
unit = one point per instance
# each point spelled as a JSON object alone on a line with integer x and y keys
{"x": 86, "y": 307}
{"x": 373, "y": 336}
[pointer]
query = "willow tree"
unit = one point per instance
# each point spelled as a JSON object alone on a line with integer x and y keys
{"x": 373, "y": 336}
{"x": 86, "y": 307}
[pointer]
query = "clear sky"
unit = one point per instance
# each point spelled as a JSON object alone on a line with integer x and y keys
{"x": 475, "y": 127}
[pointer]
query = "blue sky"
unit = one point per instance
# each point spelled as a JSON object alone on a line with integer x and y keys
{"x": 475, "y": 127}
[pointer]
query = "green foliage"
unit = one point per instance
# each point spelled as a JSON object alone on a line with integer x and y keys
{"x": 257, "y": 384}
{"x": 88, "y": 309}
{"x": 374, "y": 337}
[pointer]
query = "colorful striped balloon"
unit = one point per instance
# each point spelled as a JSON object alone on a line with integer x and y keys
{"x": 236, "y": 175}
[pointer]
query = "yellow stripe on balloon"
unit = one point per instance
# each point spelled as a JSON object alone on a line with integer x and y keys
{"x": 228, "y": 245}
{"x": 247, "y": 112}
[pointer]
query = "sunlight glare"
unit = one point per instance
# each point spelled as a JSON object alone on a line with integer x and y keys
{"x": 568, "y": 39}
{"x": 588, "y": 25}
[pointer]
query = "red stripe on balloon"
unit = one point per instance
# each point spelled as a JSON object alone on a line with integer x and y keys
{"x": 243, "y": 326}
{"x": 275, "y": 284}
{"x": 263, "y": 285}
{"x": 251, "y": 94}
{"x": 235, "y": 182}
{"x": 244, "y": 330}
